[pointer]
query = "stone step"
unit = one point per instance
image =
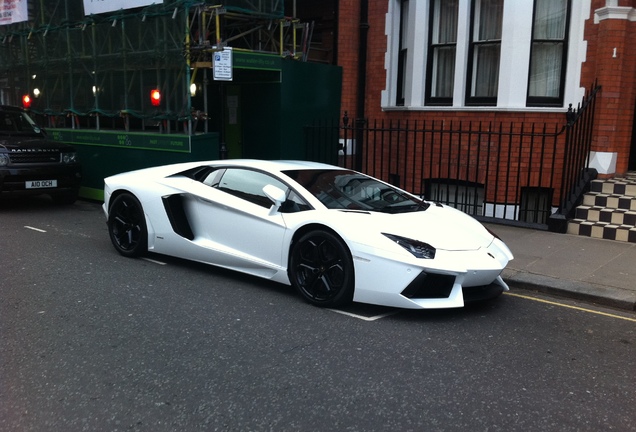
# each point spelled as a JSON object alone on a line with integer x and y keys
{"x": 607, "y": 215}
{"x": 608, "y": 211}
{"x": 602, "y": 230}
{"x": 625, "y": 186}
{"x": 595, "y": 199}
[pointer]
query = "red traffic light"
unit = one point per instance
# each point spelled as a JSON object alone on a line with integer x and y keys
{"x": 26, "y": 101}
{"x": 155, "y": 97}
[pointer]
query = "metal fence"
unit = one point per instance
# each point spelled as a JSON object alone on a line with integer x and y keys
{"x": 511, "y": 172}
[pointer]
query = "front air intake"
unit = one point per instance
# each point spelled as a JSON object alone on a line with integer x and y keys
{"x": 430, "y": 285}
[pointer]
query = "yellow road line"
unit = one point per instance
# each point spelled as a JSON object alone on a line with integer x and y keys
{"x": 571, "y": 307}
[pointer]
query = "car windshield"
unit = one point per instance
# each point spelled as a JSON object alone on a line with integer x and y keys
{"x": 17, "y": 122}
{"x": 343, "y": 189}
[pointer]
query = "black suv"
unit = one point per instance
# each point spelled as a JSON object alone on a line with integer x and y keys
{"x": 31, "y": 164}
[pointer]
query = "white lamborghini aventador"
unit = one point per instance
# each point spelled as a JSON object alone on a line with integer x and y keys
{"x": 336, "y": 235}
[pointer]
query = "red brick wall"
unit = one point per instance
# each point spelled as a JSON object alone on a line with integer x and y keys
{"x": 376, "y": 73}
{"x": 348, "y": 52}
{"x": 517, "y": 171}
{"x": 377, "y": 48}
{"x": 617, "y": 76}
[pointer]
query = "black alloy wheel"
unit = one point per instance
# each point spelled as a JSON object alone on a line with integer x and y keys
{"x": 321, "y": 269}
{"x": 127, "y": 226}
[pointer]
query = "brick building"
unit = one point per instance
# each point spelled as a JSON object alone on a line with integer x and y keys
{"x": 516, "y": 63}
{"x": 409, "y": 73}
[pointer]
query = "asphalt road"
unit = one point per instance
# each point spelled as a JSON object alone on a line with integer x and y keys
{"x": 92, "y": 341}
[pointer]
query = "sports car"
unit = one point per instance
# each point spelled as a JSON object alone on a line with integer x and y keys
{"x": 334, "y": 234}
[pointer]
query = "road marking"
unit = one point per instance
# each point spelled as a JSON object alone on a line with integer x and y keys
{"x": 571, "y": 307}
{"x": 34, "y": 229}
{"x": 153, "y": 261}
{"x": 362, "y": 317}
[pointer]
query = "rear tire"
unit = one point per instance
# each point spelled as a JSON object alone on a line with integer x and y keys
{"x": 127, "y": 226}
{"x": 321, "y": 269}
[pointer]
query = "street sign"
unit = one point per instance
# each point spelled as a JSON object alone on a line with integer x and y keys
{"x": 222, "y": 65}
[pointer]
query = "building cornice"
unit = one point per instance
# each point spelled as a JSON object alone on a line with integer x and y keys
{"x": 614, "y": 12}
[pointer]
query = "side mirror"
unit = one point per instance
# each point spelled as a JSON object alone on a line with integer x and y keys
{"x": 276, "y": 195}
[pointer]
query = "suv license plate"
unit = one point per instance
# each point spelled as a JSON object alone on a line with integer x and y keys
{"x": 39, "y": 184}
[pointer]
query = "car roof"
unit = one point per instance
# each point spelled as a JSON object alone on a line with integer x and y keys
{"x": 276, "y": 165}
{"x": 11, "y": 108}
{"x": 265, "y": 165}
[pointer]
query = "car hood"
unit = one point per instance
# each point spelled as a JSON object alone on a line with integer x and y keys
{"x": 442, "y": 227}
{"x": 22, "y": 143}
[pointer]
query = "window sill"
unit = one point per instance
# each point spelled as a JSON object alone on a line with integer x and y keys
{"x": 475, "y": 109}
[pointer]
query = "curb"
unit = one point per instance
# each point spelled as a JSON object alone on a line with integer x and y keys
{"x": 578, "y": 290}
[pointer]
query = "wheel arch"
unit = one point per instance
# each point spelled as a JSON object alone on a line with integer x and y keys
{"x": 142, "y": 244}
{"x": 121, "y": 191}
{"x": 310, "y": 227}
{"x": 116, "y": 193}
{"x": 313, "y": 227}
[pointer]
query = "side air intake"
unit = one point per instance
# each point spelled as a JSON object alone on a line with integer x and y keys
{"x": 177, "y": 216}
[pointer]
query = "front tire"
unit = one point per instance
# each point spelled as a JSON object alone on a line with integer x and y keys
{"x": 127, "y": 226}
{"x": 321, "y": 269}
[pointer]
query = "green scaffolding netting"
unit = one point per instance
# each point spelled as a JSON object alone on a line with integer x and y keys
{"x": 107, "y": 64}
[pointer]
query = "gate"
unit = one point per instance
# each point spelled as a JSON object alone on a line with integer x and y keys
{"x": 525, "y": 174}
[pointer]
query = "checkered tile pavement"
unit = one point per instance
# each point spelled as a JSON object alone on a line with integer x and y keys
{"x": 608, "y": 210}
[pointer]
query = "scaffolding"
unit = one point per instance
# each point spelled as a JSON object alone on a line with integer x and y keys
{"x": 97, "y": 71}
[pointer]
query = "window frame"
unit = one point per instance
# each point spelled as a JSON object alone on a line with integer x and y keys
{"x": 471, "y": 70}
{"x": 431, "y": 59}
{"x": 513, "y": 80}
{"x": 400, "y": 95}
{"x": 547, "y": 101}
{"x": 256, "y": 197}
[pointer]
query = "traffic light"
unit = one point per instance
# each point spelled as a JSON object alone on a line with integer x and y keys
{"x": 155, "y": 97}
{"x": 26, "y": 101}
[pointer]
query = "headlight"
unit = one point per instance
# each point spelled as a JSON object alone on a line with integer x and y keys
{"x": 69, "y": 157}
{"x": 417, "y": 248}
{"x": 4, "y": 160}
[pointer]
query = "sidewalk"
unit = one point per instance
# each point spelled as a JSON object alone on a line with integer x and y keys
{"x": 601, "y": 271}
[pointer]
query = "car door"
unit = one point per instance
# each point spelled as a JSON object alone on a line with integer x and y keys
{"x": 233, "y": 215}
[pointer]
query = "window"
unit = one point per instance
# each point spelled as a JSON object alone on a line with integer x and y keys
{"x": 248, "y": 185}
{"x": 441, "y": 51}
{"x": 535, "y": 204}
{"x": 401, "y": 72}
{"x": 294, "y": 203}
{"x": 455, "y": 54}
{"x": 485, "y": 50}
{"x": 548, "y": 52}
{"x": 462, "y": 195}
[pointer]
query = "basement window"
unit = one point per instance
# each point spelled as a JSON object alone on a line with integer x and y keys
{"x": 463, "y": 195}
{"x": 535, "y": 204}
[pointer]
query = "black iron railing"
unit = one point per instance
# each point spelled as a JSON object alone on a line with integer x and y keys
{"x": 576, "y": 172}
{"x": 511, "y": 172}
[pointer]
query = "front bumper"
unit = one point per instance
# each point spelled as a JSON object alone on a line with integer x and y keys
{"x": 448, "y": 281}
{"x": 13, "y": 180}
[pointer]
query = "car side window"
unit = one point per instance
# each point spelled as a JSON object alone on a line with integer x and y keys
{"x": 294, "y": 203}
{"x": 246, "y": 184}
{"x": 213, "y": 178}
{"x": 6, "y": 124}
